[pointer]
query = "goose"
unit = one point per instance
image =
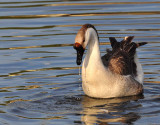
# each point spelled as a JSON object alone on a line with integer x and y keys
{"x": 116, "y": 74}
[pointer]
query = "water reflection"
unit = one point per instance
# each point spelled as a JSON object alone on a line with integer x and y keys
{"x": 117, "y": 110}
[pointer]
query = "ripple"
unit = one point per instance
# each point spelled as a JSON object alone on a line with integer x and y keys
{"x": 40, "y": 83}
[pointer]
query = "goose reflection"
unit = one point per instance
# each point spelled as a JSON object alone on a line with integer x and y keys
{"x": 116, "y": 110}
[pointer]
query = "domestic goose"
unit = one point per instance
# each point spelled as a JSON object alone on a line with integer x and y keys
{"x": 116, "y": 74}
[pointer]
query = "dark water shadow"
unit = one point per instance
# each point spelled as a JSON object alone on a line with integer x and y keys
{"x": 90, "y": 110}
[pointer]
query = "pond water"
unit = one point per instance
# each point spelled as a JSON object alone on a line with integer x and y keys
{"x": 39, "y": 79}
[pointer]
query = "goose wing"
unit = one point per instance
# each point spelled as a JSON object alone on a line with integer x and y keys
{"x": 120, "y": 59}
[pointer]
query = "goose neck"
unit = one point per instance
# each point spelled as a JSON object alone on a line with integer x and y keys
{"x": 93, "y": 56}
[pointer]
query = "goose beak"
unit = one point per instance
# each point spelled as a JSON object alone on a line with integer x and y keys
{"x": 80, "y": 51}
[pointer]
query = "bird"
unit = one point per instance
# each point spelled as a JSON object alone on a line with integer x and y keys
{"x": 118, "y": 73}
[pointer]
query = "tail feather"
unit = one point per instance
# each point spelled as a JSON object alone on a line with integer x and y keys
{"x": 129, "y": 38}
{"x": 113, "y": 41}
{"x": 126, "y": 41}
{"x": 141, "y": 44}
{"x": 129, "y": 48}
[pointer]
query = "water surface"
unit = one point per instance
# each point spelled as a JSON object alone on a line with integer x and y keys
{"x": 39, "y": 78}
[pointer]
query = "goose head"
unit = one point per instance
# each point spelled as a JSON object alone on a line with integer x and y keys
{"x": 84, "y": 35}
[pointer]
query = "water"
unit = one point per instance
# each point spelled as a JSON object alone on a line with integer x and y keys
{"x": 39, "y": 78}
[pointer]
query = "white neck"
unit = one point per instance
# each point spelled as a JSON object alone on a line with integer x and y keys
{"x": 93, "y": 56}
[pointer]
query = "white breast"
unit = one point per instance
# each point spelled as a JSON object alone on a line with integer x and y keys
{"x": 140, "y": 74}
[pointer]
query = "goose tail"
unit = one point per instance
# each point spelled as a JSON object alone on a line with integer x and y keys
{"x": 126, "y": 45}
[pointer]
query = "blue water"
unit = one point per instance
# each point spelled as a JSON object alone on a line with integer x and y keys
{"x": 39, "y": 79}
